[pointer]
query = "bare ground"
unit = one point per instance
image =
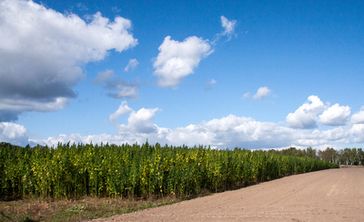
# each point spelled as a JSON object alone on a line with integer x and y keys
{"x": 329, "y": 195}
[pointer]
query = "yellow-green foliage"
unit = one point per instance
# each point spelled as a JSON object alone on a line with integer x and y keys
{"x": 138, "y": 170}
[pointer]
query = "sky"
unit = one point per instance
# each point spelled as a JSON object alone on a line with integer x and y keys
{"x": 225, "y": 74}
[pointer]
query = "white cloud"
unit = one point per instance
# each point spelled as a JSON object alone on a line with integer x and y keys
{"x": 322, "y": 138}
{"x": 335, "y": 115}
{"x": 15, "y": 107}
{"x": 141, "y": 121}
{"x": 306, "y": 115}
{"x": 232, "y": 130}
{"x": 116, "y": 87}
{"x": 42, "y": 52}
{"x": 132, "y": 64}
{"x": 357, "y": 132}
{"x": 261, "y": 93}
{"x": 358, "y": 118}
{"x": 28, "y": 105}
{"x": 177, "y": 60}
{"x": 228, "y": 25}
{"x": 122, "y": 110}
{"x": 126, "y": 91}
{"x": 227, "y": 132}
{"x": 314, "y": 111}
{"x": 13, "y": 133}
{"x": 190, "y": 135}
{"x": 77, "y": 138}
{"x": 228, "y": 32}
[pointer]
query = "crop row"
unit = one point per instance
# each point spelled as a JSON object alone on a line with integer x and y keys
{"x": 138, "y": 170}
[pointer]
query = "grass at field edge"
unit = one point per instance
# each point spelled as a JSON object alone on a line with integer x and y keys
{"x": 74, "y": 210}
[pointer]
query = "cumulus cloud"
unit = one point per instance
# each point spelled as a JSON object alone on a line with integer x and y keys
{"x": 357, "y": 132}
{"x": 261, "y": 93}
{"x": 306, "y": 115}
{"x": 315, "y": 111}
{"x": 231, "y": 131}
{"x": 42, "y": 52}
{"x": 10, "y": 108}
{"x": 335, "y": 115}
{"x": 132, "y": 64}
{"x": 116, "y": 87}
{"x": 13, "y": 133}
{"x": 86, "y": 139}
{"x": 358, "y": 118}
{"x": 177, "y": 60}
{"x": 226, "y": 132}
{"x": 139, "y": 128}
{"x": 125, "y": 90}
{"x": 122, "y": 110}
{"x": 141, "y": 121}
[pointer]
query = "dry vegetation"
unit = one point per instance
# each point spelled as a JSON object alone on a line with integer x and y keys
{"x": 73, "y": 210}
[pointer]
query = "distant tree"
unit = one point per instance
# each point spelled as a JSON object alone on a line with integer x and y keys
{"x": 310, "y": 152}
{"x": 351, "y": 156}
{"x": 329, "y": 154}
{"x": 361, "y": 156}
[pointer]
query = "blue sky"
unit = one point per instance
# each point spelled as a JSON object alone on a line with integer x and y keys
{"x": 222, "y": 73}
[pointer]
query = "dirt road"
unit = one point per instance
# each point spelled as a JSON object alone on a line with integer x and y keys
{"x": 329, "y": 195}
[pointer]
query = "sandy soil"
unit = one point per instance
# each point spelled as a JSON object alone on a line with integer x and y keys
{"x": 329, "y": 195}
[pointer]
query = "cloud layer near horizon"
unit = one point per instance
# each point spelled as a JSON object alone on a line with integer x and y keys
{"x": 230, "y": 131}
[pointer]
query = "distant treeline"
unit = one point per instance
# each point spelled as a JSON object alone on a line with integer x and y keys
{"x": 347, "y": 156}
{"x": 71, "y": 170}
